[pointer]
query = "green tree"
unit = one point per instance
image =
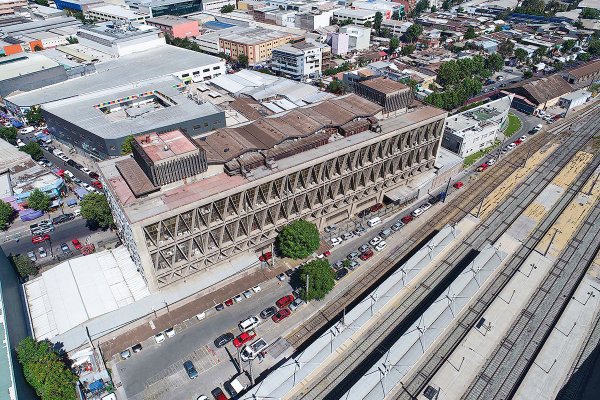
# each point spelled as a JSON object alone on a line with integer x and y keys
{"x": 584, "y": 56}
{"x": 521, "y": 55}
{"x": 532, "y": 7}
{"x": 320, "y": 279}
{"x": 24, "y": 266}
{"x": 72, "y": 40}
{"x": 39, "y": 200}
{"x": 42, "y": 3}
{"x": 433, "y": 8}
{"x": 558, "y": 66}
{"x": 377, "y": 22}
{"x": 422, "y": 5}
{"x": 446, "y": 5}
{"x": 527, "y": 74}
{"x": 408, "y": 50}
{"x": 336, "y": 86}
{"x": 539, "y": 53}
{"x": 412, "y": 33}
{"x": 227, "y": 8}
{"x": 396, "y": 15}
{"x": 568, "y": 45}
{"x": 95, "y": 209}
{"x": 298, "y": 239}
{"x": 394, "y": 44}
{"x": 386, "y": 33}
{"x": 590, "y": 13}
{"x": 594, "y": 47}
{"x": 46, "y": 371}
{"x": 6, "y": 214}
{"x": 243, "y": 60}
{"x": 506, "y": 48}
{"x": 495, "y": 62}
{"x": 127, "y": 146}
{"x": 368, "y": 24}
{"x": 34, "y": 115}
{"x": 9, "y": 134}
{"x": 33, "y": 149}
{"x": 470, "y": 33}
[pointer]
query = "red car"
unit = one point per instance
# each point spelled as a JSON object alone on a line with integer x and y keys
{"x": 285, "y": 301}
{"x": 40, "y": 238}
{"x": 281, "y": 314}
{"x": 229, "y": 302}
{"x": 265, "y": 257}
{"x": 376, "y": 207}
{"x": 327, "y": 253}
{"x": 244, "y": 338}
{"x": 97, "y": 184}
{"x": 518, "y": 142}
{"x": 482, "y": 167}
{"x": 366, "y": 255}
{"x": 458, "y": 185}
{"x": 76, "y": 244}
{"x": 407, "y": 219}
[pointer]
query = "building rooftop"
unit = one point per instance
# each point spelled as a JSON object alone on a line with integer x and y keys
{"x": 10, "y": 156}
{"x": 24, "y": 64}
{"x": 37, "y": 26}
{"x": 128, "y": 69}
{"x": 166, "y": 145}
{"x": 466, "y": 121}
{"x": 117, "y": 11}
{"x": 188, "y": 194}
{"x": 586, "y": 69}
{"x": 169, "y": 20}
{"x": 114, "y": 31}
{"x": 131, "y": 109}
{"x": 543, "y": 89}
{"x": 384, "y": 85}
{"x": 255, "y": 35}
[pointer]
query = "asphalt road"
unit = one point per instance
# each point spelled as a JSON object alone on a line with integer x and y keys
{"x": 167, "y": 358}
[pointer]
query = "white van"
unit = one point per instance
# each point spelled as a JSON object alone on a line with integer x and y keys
{"x": 248, "y": 324}
{"x": 374, "y": 221}
{"x": 57, "y": 152}
{"x": 69, "y": 174}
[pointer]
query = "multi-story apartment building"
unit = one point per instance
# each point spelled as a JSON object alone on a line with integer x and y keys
{"x": 176, "y": 27}
{"x": 358, "y": 17}
{"x": 359, "y": 37}
{"x": 299, "y": 61}
{"x": 256, "y": 43}
{"x": 322, "y": 162}
{"x": 111, "y": 12}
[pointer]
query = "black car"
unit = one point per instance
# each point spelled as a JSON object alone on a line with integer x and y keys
{"x": 219, "y": 307}
{"x": 71, "y": 163}
{"x": 289, "y": 272}
{"x": 190, "y": 369}
{"x": 268, "y": 312}
{"x": 223, "y": 339}
{"x": 218, "y": 394}
{"x": 137, "y": 348}
{"x": 341, "y": 273}
{"x": 62, "y": 218}
{"x": 363, "y": 213}
{"x": 94, "y": 175}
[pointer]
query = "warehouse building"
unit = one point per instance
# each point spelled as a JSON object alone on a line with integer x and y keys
{"x": 391, "y": 95}
{"x": 100, "y": 122}
{"x": 322, "y": 162}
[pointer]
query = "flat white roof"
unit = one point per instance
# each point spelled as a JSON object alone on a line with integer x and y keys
{"x": 23, "y": 64}
{"x": 80, "y": 289}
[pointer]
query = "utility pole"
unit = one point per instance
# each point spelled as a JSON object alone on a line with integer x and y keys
{"x": 251, "y": 375}
{"x": 307, "y": 276}
{"x": 239, "y": 359}
{"x": 272, "y": 255}
{"x": 447, "y": 188}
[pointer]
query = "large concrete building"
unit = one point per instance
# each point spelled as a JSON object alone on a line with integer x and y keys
{"x": 322, "y": 162}
{"x": 28, "y": 71}
{"x": 391, "y": 95}
{"x": 256, "y": 43}
{"x": 299, "y": 61}
{"x": 118, "y": 39}
{"x": 176, "y": 27}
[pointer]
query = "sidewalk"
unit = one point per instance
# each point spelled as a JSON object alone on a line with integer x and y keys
{"x": 75, "y": 154}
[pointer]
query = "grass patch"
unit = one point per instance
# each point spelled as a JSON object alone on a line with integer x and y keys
{"x": 514, "y": 124}
{"x": 472, "y": 159}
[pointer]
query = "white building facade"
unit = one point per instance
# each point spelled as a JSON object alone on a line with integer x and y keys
{"x": 359, "y": 37}
{"x": 299, "y": 61}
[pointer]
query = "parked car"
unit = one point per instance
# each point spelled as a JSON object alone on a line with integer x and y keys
{"x": 159, "y": 337}
{"x": 229, "y": 302}
{"x": 491, "y": 162}
{"x": 281, "y": 315}
{"x": 363, "y": 213}
{"x": 256, "y": 288}
{"x": 190, "y": 369}
{"x": 353, "y": 256}
{"x": 482, "y": 167}
{"x": 85, "y": 170}
{"x": 170, "y": 332}
{"x": 347, "y": 236}
{"x": 97, "y": 184}
{"x": 284, "y": 301}
{"x": 243, "y": 338}
{"x": 380, "y": 246}
{"x": 40, "y": 238}
{"x": 375, "y": 240}
{"x": 281, "y": 277}
{"x": 32, "y": 256}
{"x": 416, "y": 212}
{"x": 223, "y": 340}
{"x": 353, "y": 264}
{"x": 397, "y": 226}
{"x": 364, "y": 248}
{"x": 76, "y": 244}
{"x": 425, "y": 207}
{"x": 238, "y": 298}
{"x": 517, "y": 142}
{"x": 219, "y": 307}
{"x": 385, "y": 233}
{"x": 376, "y": 207}
{"x": 359, "y": 231}
{"x": 137, "y": 348}
{"x": 341, "y": 273}
{"x": 249, "y": 324}
{"x": 366, "y": 255}
{"x": 296, "y": 303}
{"x": 337, "y": 265}
{"x": 125, "y": 354}
{"x": 330, "y": 228}
{"x": 268, "y": 312}
{"x": 251, "y": 350}
{"x": 523, "y": 138}
{"x": 407, "y": 219}
{"x": 42, "y": 252}
{"x": 265, "y": 257}
{"x": 247, "y": 294}
{"x": 218, "y": 394}
{"x": 65, "y": 248}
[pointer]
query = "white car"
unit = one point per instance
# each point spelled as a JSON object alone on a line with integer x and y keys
{"x": 85, "y": 170}
{"x": 426, "y": 206}
{"x": 249, "y": 324}
{"x": 375, "y": 240}
{"x": 491, "y": 162}
{"x": 335, "y": 241}
{"x": 42, "y": 252}
{"x": 257, "y": 288}
{"x": 381, "y": 246}
{"x": 347, "y": 236}
{"x": 159, "y": 337}
{"x": 238, "y": 298}
{"x": 417, "y": 212}
{"x": 523, "y": 138}
{"x": 511, "y": 146}
{"x": 86, "y": 187}
{"x": 170, "y": 332}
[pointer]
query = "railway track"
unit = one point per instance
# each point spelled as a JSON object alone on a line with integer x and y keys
{"x": 456, "y": 210}
{"x": 505, "y": 370}
{"x": 438, "y": 355}
{"x": 336, "y": 379}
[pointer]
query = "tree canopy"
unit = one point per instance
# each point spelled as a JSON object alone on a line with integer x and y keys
{"x": 126, "y": 147}
{"x": 394, "y": 44}
{"x": 34, "y": 115}
{"x": 298, "y": 239}
{"x": 320, "y": 279}
{"x": 377, "y": 22}
{"x": 33, "y": 149}
{"x": 24, "y": 266}
{"x": 568, "y": 45}
{"x": 95, "y": 209}
{"x": 422, "y": 5}
{"x": 39, "y": 200}
{"x": 594, "y": 47}
{"x": 470, "y": 33}
{"x": 589, "y": 13}
{"x": 408, "y": 49}
{"x": 336, "y": 86}
{"x": 506, "y": 48}
{"x": 45, "y": 371}
{"x": 494, "y": 62}
{"x": 242, "y": 59}
{"x": 6, "y": 214}
{"x": 521, "y": 55}
{"x": 412, "y": 33}
{"x": 227, "y": 8}
{"x": 9, "y": 134}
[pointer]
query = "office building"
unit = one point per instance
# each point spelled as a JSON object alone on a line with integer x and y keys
{"x": 118, "y": 38}
{"x": 99, "y": 122}
{"x": 111, "y": 12}
{"x": 358, "y": 17}
{"x": 476, "y": 129}
{"x": 298, "y": 61}
{"x": 256, "y": 43}
{"x": 216, "y": 5}
{"x": 339, "y": 43}
{"x": 313, "y": 19}
{"x": 396, "y": 27}
{"x": 157, "y": 8}
{"x": 176, "y": 27}
{"x": 78, "y": 5}
{"x": 322, "y": 162}
{"x": 359, "y": 37}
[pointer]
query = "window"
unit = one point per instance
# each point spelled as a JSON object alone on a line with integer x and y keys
{"x": 217, "y": 67}
{"x": 185, "y": 75}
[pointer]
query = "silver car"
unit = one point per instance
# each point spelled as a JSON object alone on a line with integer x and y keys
{"x": 295, "y": 304}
